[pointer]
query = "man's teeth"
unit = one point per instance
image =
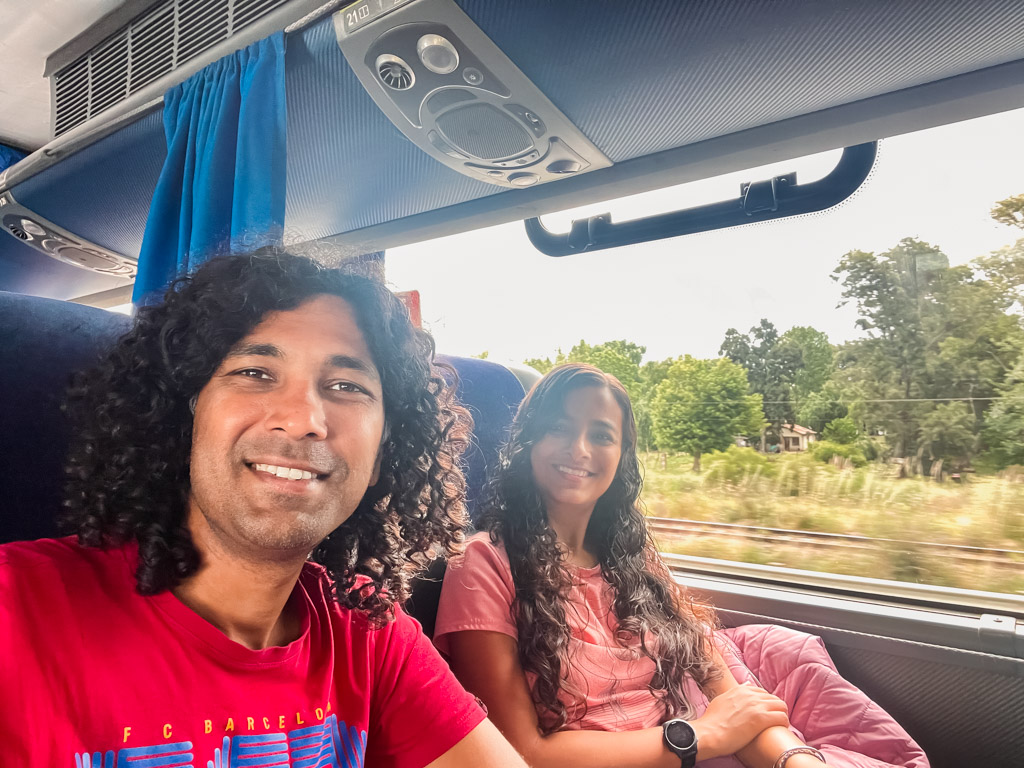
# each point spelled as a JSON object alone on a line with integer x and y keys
{"x": 571, "y": 471}
{"x": 288, "y": 473}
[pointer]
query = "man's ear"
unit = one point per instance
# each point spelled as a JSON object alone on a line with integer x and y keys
{"x": 375, "y": 476}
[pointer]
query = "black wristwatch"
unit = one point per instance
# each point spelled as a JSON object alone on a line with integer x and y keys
{"x": 681, "y": 739}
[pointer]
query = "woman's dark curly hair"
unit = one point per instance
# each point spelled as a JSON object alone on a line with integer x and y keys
{"x": 128, "y": 468}
{"x": 672, "y": 629}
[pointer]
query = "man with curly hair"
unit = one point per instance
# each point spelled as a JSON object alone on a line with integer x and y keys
{"x": 258, "y": 467}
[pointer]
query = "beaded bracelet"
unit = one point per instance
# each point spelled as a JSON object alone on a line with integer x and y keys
{"x": 784, "y": 757}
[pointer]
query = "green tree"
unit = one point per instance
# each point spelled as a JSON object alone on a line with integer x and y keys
{"x": 1004, "y": 270}
{"x": 626, "y": 349}
{"x": 544, "y": 364}
{"x": 890, "y": 290}
{"x": 771, "y": 369}
{"x": 819, "y": 408}
{"x": 816, "y": 359}
{"x": 1010, "y": 211}
{"x": 701, "y": 405}
{"x": 948, "y": 433}
{"x": 652, "y": 373}
{"x": 842, "y": 431}
{"x": 973, "y": 342}
{"x": 934, "y": 333}
{"x": 620, "y": 358}
{"x": 1004, "y": 422}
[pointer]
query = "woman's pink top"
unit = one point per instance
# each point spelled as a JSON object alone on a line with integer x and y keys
{"x": 824, "y": 709}
{"x": 613, "y": 681}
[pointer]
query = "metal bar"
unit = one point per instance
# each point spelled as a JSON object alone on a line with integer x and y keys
{"x": 969, "y": 601}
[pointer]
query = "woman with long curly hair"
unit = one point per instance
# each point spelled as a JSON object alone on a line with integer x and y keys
{"x": 562, "y": 618}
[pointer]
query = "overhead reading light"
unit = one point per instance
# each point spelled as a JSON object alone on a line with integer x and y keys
{"x": 452, "y": 92}
{"x": 775, "y": 198}
{"x": 437, "y": 54}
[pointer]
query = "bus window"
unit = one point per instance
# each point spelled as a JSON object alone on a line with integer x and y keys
{"x": 877, "y": 432}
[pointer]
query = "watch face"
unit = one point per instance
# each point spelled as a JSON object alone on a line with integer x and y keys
{"x": 680, "y": 734}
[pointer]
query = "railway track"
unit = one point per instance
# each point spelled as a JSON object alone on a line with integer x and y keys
{"x": 667, "y": 528}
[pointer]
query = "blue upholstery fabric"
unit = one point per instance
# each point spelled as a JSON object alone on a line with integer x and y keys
{"x": 223, "y": 182}
{"x": 42, "y": 342}
{"x": 9, "y": 156}
{"x": 492, "y": 394}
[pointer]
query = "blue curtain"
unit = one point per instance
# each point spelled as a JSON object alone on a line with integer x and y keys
{"x": 222, "y": 187}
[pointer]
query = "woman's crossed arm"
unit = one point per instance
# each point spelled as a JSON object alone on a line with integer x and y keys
{"x": 741, "y": 719}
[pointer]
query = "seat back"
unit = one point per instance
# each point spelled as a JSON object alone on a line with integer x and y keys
{"x": 491, "y": 393}
{"x": 42, "y": 342}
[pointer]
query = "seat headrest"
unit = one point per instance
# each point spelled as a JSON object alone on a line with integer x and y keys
{"x": 491, "y": 393}
{"x": 44, "y": 341}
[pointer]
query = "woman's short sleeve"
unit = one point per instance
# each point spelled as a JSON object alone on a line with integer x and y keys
{"x": 477, "y": 592}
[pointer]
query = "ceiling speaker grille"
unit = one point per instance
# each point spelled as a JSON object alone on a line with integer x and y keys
{"x": 146, "y": 49}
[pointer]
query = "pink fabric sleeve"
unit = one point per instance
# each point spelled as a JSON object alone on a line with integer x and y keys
{"x": 477, "y": 593}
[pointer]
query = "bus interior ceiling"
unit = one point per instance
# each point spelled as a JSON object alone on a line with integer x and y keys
{"x": 667, "y": 92}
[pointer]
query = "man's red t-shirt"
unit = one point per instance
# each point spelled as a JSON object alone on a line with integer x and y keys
{"x": 93, "y": 675}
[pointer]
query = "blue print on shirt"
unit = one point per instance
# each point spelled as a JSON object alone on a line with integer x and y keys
{"x": 95, "y": 760}
{"x": 330, "y": 745}
{"x": 176, "y": 755}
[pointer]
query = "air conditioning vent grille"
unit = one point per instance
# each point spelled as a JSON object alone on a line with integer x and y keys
{"x": 146, "y": 49}
{"x": 394, "y": 72}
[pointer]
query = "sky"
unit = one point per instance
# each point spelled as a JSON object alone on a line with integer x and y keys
{"x": 490, "y": 290}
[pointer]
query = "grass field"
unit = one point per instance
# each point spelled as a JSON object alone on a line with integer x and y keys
{"x": 796, "y": 492}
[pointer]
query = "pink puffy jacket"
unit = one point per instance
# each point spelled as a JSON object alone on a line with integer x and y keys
{"x": 828, "y": 712}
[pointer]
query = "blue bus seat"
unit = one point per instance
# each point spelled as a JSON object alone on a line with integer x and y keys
{"x": 44, "y": 341}
{"x": 491, "y": 393}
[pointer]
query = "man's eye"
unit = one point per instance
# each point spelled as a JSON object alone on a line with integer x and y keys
{"x": 253, "y": 373}
{"x": 345, "y": 386}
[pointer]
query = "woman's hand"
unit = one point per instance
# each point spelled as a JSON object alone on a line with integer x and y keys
{"x": 736, "y": 717}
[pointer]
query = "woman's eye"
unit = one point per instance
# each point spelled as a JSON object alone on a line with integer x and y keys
{"x": 604, "y": 438}
{"x": 345, "y": 386}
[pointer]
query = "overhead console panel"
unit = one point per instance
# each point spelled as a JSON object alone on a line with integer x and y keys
{"x": 57, "y": 243}
{"x": 452, "y": 92}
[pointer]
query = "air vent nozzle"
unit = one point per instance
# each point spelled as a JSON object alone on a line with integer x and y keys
{"x": 394, "y": 72}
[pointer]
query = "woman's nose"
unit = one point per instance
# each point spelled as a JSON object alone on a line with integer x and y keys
{"x": 580, "y": 446}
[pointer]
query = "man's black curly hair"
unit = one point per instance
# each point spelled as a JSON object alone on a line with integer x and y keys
{"x": 128, "y": 467}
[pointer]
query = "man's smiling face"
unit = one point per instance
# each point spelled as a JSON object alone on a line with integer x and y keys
{"x": 287, "y": 432}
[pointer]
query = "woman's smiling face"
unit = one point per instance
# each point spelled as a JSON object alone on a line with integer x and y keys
{"x": 576, "y": 459}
